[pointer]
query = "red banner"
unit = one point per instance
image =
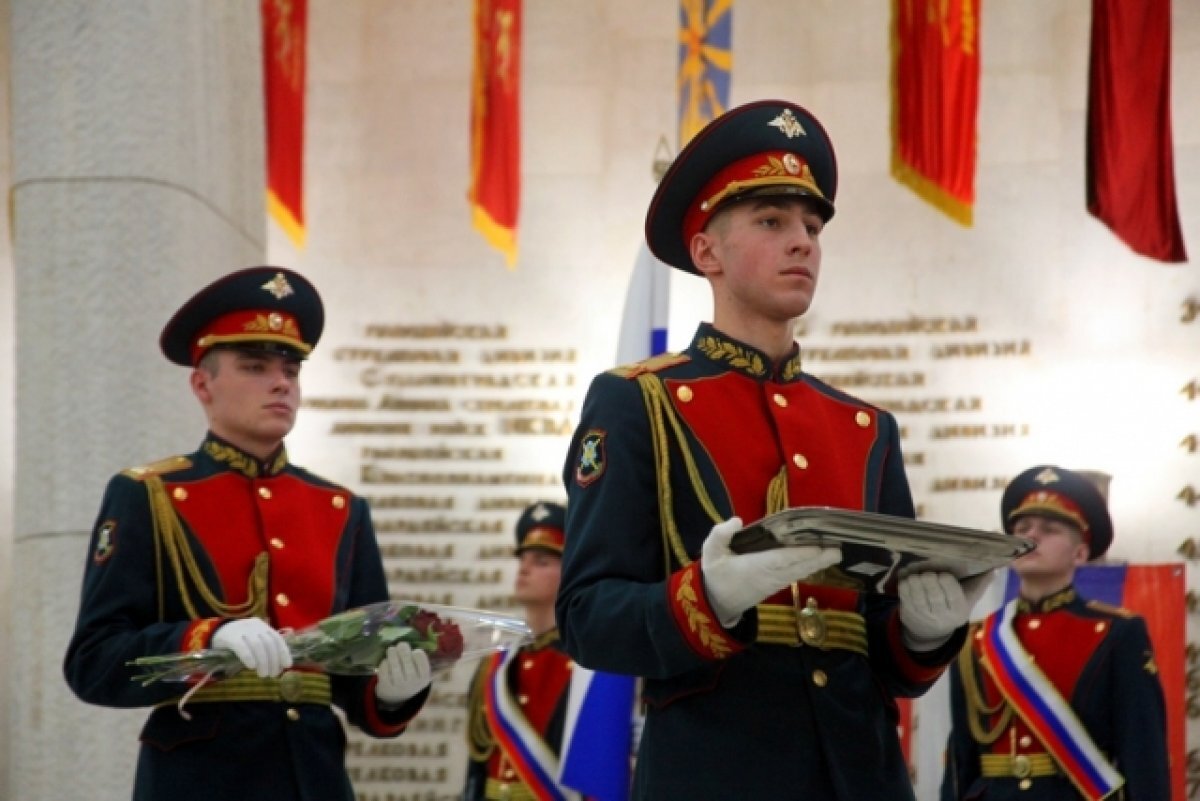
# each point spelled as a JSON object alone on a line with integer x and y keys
{"x": 1130, "y": 164}
{"x": 495, "y": 192}
{"x": 935, "y": 97}
{"x": 284, "y": 26}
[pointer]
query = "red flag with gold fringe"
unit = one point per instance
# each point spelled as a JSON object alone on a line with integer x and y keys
{"x": 935, "y": 99}
{"x": 284, "y": 27}
{"x": 495, "y": 191}
{"x": 1130, "y": 164}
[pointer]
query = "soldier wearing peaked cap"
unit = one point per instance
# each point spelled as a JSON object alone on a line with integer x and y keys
{"x": 1089, "y": 721}
{"x": 769, "y": 675}
{"x": 224, "y": 547}
{"x": 518, "y": 700}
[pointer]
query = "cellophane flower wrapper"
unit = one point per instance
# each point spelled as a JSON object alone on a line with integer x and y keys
{"x": 353, "y": 642}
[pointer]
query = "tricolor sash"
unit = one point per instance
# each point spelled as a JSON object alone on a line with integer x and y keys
{"x": 1043, "y": 708}
{"x": 533, "y": 760}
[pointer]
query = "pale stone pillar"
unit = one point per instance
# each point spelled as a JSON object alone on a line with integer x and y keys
{"x": 137, "y": 176}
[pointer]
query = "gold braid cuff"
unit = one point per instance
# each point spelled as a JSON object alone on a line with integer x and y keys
{"x": 171, "y": 540}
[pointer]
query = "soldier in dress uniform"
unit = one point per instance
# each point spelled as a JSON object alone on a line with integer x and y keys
{"x": 518, "y": 700}
{"x": 1055, "y": 697}
{"x": 223, "y": 548}
{"x": 772, "y": 674}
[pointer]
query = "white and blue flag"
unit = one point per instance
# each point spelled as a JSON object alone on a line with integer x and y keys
{"x": 598, "y": 733}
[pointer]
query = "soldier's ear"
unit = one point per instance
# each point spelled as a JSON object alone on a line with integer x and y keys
{"x": 702, "y": 249}
{"x": 199, "y": 381}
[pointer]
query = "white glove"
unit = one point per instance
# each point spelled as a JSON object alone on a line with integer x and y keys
{"x": 402, "y": 674}
{"x": 260, "y": 647}
{"x": 934, "y": 604}
{"x": 736, "y": 582}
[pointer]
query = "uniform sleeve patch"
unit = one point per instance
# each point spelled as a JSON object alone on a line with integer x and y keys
{"x": 106, "y": 541}
{"x": 590, "y": 461}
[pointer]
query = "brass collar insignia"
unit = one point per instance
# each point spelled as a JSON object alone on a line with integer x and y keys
{"x": 744, "y": 358}
{"x": 1049, "y": 603}
{"x": 242, "y": 462}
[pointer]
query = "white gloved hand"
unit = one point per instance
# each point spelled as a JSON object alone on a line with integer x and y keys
{"x": 735, "y": 582}
{"x": 260, "y": 647}
{"x": 402, "y": 674}
{"x": 933, "y": 604}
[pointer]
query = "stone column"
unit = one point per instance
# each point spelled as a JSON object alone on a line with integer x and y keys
{"x": 137, "y": 176}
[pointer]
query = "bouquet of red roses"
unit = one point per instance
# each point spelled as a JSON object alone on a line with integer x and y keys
{"x": 353, "y": 642}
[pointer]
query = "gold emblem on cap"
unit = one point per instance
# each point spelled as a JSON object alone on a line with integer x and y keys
{"x": 279, "y": 287}
{"x": 1047, "y": 476}
{"x": 788, "y": 123}
{"x": 540, "y": 512}
{"x": 791, "y": 163}
{"x": 275, "y": 321}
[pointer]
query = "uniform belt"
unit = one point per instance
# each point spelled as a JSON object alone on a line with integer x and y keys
{"x": 496, "y": 790}
{"x": 292, "y": 687}
{"x": 819, "y": 628}
{"x": 1018, "y": 766}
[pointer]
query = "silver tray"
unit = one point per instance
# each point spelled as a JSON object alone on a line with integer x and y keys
{"x": 878, "y": 549}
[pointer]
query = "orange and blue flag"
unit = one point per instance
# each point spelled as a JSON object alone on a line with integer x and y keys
{"x": 705, "y": 63}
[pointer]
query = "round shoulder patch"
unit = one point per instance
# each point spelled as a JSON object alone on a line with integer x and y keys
{"x": 106, "y": 541}
{"x": 590, "y": 461}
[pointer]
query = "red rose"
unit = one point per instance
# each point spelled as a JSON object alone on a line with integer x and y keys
{"x": 422, "y": 620}
{"x": 449, "y": 641}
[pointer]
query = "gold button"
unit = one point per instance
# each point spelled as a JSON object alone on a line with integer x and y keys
{"x": 685, "y": 394}
{"x": 800, "y": 461}
{"x": 264, "y": 493}
{"x": 180, "y": 494}
{"x": 282, "y": 599}
{"x": 1035, "y": 624}
{"x": 527, "y": 663}
{"x": 1025, "y": 784}
{"x": 979, "y": 634}
{"x": 276, "y": 543}
{"x": 523, "y": 699}
{"x": 819, "y": 678}
{"x": 338, "y": 502}
{"x": 293, "y": 714}
{"x": 863, "y": 419}
{"x": 780, "y": 401}
{"x": 1025, "y": 741}
{"x": 1099, "y": 627}
{"x": 291, "y": 685}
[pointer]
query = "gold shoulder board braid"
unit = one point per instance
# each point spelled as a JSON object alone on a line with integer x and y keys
{"x": 1116, "y": 611}
{"x": 168, "y": 465}
{"x": 480, "y": 742}
{"x": 978, "y": 710}
{"x": 652, "y": 365}
{"x": 663, "y": 421}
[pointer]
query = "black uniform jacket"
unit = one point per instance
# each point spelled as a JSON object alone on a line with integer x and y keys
{"x": 664, "y": 450}
{"x": 1100, "y": 660}
{"x": 229, "y": 536}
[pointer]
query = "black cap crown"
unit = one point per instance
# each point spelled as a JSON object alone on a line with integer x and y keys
{"x": 542, "y": 526}
{"x": 259, "y": 308}
{"x": 770, "y": 147}
{"x": 1053, "y": 491}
